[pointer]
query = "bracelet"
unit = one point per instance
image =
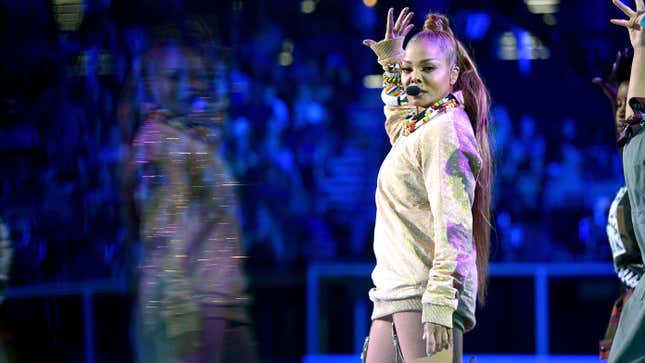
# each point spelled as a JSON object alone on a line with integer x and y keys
{"x": 392, "y": 68}
{"x": 392, "y": 78}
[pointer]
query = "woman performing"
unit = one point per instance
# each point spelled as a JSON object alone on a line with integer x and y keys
{"x": 628, "y": 342}
{"x": 432, "y": 232}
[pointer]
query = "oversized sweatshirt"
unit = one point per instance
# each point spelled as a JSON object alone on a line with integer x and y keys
{"x": 423, "y": 236}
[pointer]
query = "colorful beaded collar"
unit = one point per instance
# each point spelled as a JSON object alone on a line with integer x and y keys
{"x": 413, "y": 122}
{"x": 202, "y": 126}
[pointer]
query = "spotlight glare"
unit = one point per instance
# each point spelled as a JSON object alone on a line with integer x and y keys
{"x": 373, "y": 81}
{"x": 69, "y": 14}
{"x": 285, "y": 59}
{"x": 542, "y": 6}
{"x": 370, "y": 3}
{"x": 308, "y": 6}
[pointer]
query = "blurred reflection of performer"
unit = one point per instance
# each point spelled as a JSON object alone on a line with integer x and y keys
{"x": 6, "y": 256}
{"x": 192, "y": 300}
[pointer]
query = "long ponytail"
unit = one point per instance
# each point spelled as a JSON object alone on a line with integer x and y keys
{"x": 476, "y": 104}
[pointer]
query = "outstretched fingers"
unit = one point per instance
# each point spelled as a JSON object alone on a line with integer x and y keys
{"x": 620, "y": 22}
{"x": 405, "y": 24}
{"x": 407, "y": 30}
{"x": 399, "y": 21}
{"x": 369, "y": 42}
{"x": 608, "y": 88}
{"x": 397, "y": 29}
{"x": 624, "y": 8}
{"x": 390, "y": 24}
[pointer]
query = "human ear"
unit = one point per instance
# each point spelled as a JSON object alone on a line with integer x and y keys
{"x": 454, "y": 74}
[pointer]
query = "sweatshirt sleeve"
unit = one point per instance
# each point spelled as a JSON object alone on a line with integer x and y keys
{"x": 450, "y": 162}
{"x": 396, "y": 108}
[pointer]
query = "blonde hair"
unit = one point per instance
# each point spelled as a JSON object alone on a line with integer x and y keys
{"x": 476, "y": 103}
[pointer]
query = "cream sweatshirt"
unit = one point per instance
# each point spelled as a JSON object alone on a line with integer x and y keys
{"x": 423, "y": 238}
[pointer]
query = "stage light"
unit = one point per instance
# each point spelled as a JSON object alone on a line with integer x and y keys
{"x": 543, "y": 6}
{"x": 370, "y": 3}
{"x": 308, "y": 6}
{"x": 477, "y": 24}
{"x": 373, "y": 81}
{"x": 68, "y": 14}
{"x": 285, "y": 59}
{"x": 521, "y": 45}
{"x": 507, "y": 47}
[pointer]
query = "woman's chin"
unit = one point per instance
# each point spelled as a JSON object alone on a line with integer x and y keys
{"x": 418, "y": 102}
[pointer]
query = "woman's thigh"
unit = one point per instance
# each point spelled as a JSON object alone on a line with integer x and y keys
{"x": 380, "y": 347}
{"x": 409, "y": 330}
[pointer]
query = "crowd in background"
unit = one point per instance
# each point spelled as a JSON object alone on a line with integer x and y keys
{"x": 304, "y": 138}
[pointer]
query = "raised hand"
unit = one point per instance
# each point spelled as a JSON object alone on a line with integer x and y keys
{"x": 634, "y": 24}
{"x": 395, "y": 30}
{"x": 608, "y": 85}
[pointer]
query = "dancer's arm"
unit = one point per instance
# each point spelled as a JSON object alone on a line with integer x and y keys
{"x": 635, "y": 26}
{"x": 450, "y": 162}
{"x": 390, "y": 55}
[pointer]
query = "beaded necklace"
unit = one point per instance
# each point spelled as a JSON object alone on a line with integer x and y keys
{"x": 412, "y": 122}
{"x": 203, "y": 126}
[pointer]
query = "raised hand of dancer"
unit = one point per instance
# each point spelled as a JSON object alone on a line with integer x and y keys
{"x": 395, "y": 30}
{"x": 634, "y": 24}
{"x": 437, "y": 337}
{"x": 608, "y": 85}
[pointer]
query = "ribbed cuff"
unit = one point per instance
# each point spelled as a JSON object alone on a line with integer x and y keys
{"x": 389, "y": 51}
{"x": 384, "y": 308}
{"x": 437, "y": 314}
